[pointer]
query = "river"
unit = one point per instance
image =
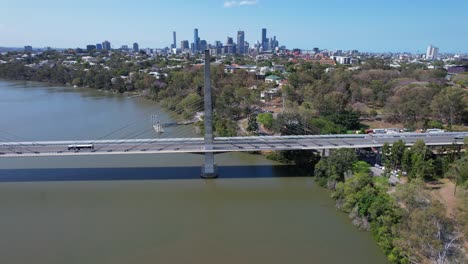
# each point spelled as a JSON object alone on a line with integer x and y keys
{"x": 153, "y": 208}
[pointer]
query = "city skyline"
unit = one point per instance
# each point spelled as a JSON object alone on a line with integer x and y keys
{"x": 399, "y": 26}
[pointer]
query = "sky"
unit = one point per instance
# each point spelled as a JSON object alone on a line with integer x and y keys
{"x": 365, "y": 25}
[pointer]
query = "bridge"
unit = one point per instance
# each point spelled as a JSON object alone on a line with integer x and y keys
{"x": 209, "y": 145}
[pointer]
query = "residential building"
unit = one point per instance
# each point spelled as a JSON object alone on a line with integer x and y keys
{"x": 273, "y": 79}
{"x": 28, "y": 49}
{"x": 90, "y": 47}
{"x": 432, "y": 53}
{"x": 106, "y": 45}
{"x": 136, "y": 47}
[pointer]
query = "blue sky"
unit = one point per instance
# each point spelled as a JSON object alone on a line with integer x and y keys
{"x": 370, "y": 25}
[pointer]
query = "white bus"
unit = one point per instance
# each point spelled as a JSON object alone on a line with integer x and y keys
{"x": 435, "y": 131}
{"x": 80, "y": 146}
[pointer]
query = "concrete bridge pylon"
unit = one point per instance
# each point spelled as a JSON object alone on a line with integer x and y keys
{"x": 209, "y": 169}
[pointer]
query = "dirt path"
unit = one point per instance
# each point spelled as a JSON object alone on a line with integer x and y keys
{"x": 447, "y": 196}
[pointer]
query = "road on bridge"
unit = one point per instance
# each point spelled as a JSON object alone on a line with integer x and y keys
{"x": 221, "y": 145}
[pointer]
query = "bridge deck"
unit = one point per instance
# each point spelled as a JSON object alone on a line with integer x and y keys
{"x": 232, "y": 144}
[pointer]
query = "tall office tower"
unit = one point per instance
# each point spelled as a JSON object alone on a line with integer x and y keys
{"x": 136, "y": 47}
{"x": 240, "y": 42}
{"x": 264, "y": 39}
{"x": 203, "y": 45}
{"x": 196, "y": 41}
{"x": 28, "y": 49}
{"x": 99, "y": 46}
{"x": 432, "y": 53}
{"x": 174, "y": 40}
{"x": 229, "y": 48}
{"x": 184, "y": 45}
{"x": 106, "y": 45}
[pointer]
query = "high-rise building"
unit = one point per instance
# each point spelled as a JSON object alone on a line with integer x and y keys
{"x": 136, "y": 47}
{"x": 106, "y": 45}
{"x": 264, "y": 39}
{"x": 99, "y": 46}
{"x": 230, "y": 48}
{"x": 240, "y": 42}
{"x": 203, "y": 45}
{"x": 28, "y": 49}
{"x": 90, "y": 47}
{"x": 174, "y": 40}
{"x": 196, "y": 41}
{"x": 432, "y": 53}
{"x": 184, "y": 45}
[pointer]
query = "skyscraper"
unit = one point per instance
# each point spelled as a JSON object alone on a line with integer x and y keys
{"x": 174, "y": 40}
{"x": 432, "y": 53}
{"x": 230, "y": 47}
{"x": 240, "y": 42}
{"x": 195, "y": 40}
{"x": 203, "y": 45}
{"x": 264, "y": 39}
{"x": 99, "y": 46}
{"x": 136, "y": 48}
{"x": 106, "y": 45}
{"x": 184, "y": 45}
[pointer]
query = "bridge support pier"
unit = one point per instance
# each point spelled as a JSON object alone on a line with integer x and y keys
{"x": 325, "y": 153}
{"x": 209, "y": 169}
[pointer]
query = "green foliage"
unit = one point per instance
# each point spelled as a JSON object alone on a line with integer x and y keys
{"x": 361, "y": 167}
{"x": 458, "y": 172}
{"x": 266, "y": 119}
{"x": 333, "y": 168}
{"x": 369, "y": 197}
{"x": 304, "y": 159}
{"x": 418, "y": 161}
{"x": 252, "y": 123}
{"x": 290, "y": 124}
{"x": 224, "y": 127}
{"x": 425, "y": 231}
{"x": 325, "y": 126}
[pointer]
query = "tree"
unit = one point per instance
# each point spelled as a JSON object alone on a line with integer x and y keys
{"x": 330, "y": 170}
{"x": 425, "y": 232}
{"x": 290, "y": 124}
{"x": 252, "y": 123}
{"x": 458, "y": 172}
{"x": 397, "y": 152}
{"x": 449, "y": 105}
{"x": 266, "y": 119}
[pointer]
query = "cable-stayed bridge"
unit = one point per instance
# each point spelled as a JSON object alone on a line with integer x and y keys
{"x": 221, "y": 144}
{"x": 177, "y": 142}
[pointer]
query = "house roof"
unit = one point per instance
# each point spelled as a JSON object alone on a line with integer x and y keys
{"x": 273, "y": 77}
